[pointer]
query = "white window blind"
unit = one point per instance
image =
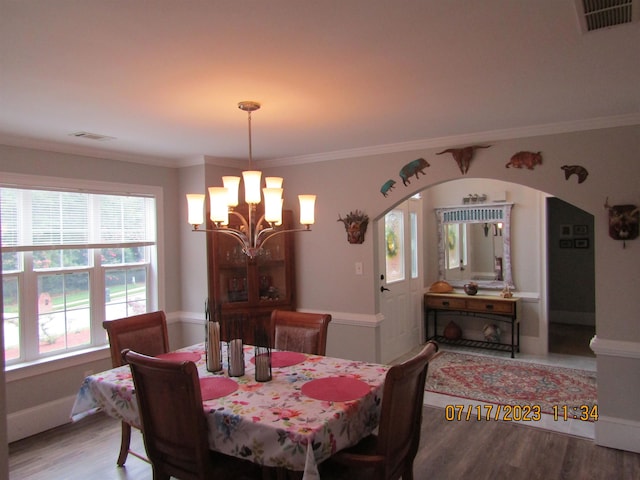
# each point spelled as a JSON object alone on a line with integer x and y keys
{"x": 47, "y": 220}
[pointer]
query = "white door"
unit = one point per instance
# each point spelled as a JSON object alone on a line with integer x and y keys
{"x": 400, "y": 278}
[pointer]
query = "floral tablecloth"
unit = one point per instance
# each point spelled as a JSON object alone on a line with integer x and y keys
{"x": 269, "y": 423}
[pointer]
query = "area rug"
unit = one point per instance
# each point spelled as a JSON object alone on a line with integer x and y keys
{"x": 510, "y": 382}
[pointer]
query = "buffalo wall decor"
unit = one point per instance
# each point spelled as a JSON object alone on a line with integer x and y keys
{"x": 355, "y": 223}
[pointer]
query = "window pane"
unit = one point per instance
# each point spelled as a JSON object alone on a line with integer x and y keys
{"x": 64, "y": 313}
{"x": 453, "y": 246}
{"x": 11, "y": 315}
{"x": 44, "y": 259}
{"x": 413, "y": 219}
{"x": 122, "y": 256}
{"x": 126, "y": 292}
{"x": 48, "y": 259}
{"x": 394, "y": 241}
{"x": 111, "y": 256}
{"x": 11, "y": 262}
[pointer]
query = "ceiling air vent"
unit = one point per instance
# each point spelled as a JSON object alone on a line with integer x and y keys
{"x": 599, "y": 14}
{"x": 92, "y": 136}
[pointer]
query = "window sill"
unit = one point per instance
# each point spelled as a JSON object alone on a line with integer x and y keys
{"x": 42, "y": 366}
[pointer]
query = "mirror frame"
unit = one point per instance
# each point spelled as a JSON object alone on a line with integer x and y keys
{"x": 477, "y": 213}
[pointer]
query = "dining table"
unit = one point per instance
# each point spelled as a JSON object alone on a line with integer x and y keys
{"x": 312, "y": 407}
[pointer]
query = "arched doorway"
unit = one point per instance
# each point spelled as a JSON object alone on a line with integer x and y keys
{"x": 531, "y": 236}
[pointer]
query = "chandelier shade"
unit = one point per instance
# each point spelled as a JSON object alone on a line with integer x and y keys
{"x": 195, "y": 201}
{"x": 252, "y": 234}
{"x": 232, "y": 184}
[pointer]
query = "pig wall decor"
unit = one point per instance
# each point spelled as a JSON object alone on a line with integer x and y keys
{"x": 355, "y": 223}
{"x": 623, "y": 222}
{"x": 387, "y": 187}
{"x": 413, "y": 168}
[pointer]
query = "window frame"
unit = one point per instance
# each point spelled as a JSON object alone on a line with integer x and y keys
{"x": 155, "y": 284}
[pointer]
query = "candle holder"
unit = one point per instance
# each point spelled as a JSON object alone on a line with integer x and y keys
{"x": 262, "y": 356}
{"x": 235, "y": 354}
{"x": 213, "y": 352}
{"x": 235, "y": 348}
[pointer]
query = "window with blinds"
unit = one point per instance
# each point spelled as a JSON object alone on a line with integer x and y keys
{"x": 71, "y": 260}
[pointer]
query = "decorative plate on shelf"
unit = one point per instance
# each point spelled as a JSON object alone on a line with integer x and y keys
{"x": 440, "y": 287}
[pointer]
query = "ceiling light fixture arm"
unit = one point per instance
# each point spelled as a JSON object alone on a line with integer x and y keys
{"x": 252, "y": 244}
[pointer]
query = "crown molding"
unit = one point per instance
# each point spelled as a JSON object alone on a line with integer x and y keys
{"x": 93, "y": 152}
{"x": 490, "y": 135}
{"x": 439, "y": 142}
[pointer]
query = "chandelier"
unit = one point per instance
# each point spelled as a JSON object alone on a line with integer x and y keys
{"x": 251, "y": 234}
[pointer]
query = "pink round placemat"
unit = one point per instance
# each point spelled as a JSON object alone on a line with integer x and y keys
{"x": 335, "y": 389}
{"x": 284, "y": 359}
{"x": 180, "y": 356}
{"x": 216, "y": 387}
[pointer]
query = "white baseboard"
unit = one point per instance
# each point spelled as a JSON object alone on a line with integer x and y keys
{"x": 615, "y": 348}
{"x": 618, "y": 433}
{"x": 40, "y": 418}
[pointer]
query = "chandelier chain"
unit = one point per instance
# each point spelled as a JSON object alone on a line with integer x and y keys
{"x": 250, "y": 147}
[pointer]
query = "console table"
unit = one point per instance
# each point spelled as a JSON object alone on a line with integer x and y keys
{"x": 494, "y": 308}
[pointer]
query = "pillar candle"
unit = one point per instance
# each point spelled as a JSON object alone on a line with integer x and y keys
{"x": 236, "y": 358}
{"x": 214, "y": 360}
{"x": 263, "y": 367}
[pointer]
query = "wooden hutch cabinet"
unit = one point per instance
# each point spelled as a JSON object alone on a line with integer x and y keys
{"x": 250, "y": 289}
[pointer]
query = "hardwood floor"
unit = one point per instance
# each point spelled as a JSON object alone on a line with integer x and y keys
{"x": 497, "y": 450}
{"x": 87, "y": 450}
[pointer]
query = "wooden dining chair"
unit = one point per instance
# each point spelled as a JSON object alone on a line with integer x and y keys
{"x": 300, "y": 332}
{"x": 389, "y": 455}
{"x": 174, "y": 423}
{"x": 145, "y": 333}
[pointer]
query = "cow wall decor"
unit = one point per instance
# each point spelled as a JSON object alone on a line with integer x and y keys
{"x": 463, "y": 156}
{"x": 355, "y": 223}
{"x": 623, "y": 222}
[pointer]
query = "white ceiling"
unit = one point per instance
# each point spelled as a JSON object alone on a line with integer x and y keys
{"x": 335, "y": 77}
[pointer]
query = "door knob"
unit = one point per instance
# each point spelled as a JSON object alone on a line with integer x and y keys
{"x": 382, "y": 289}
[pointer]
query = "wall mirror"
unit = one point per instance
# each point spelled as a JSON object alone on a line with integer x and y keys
{"x": 474, "y": 244}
